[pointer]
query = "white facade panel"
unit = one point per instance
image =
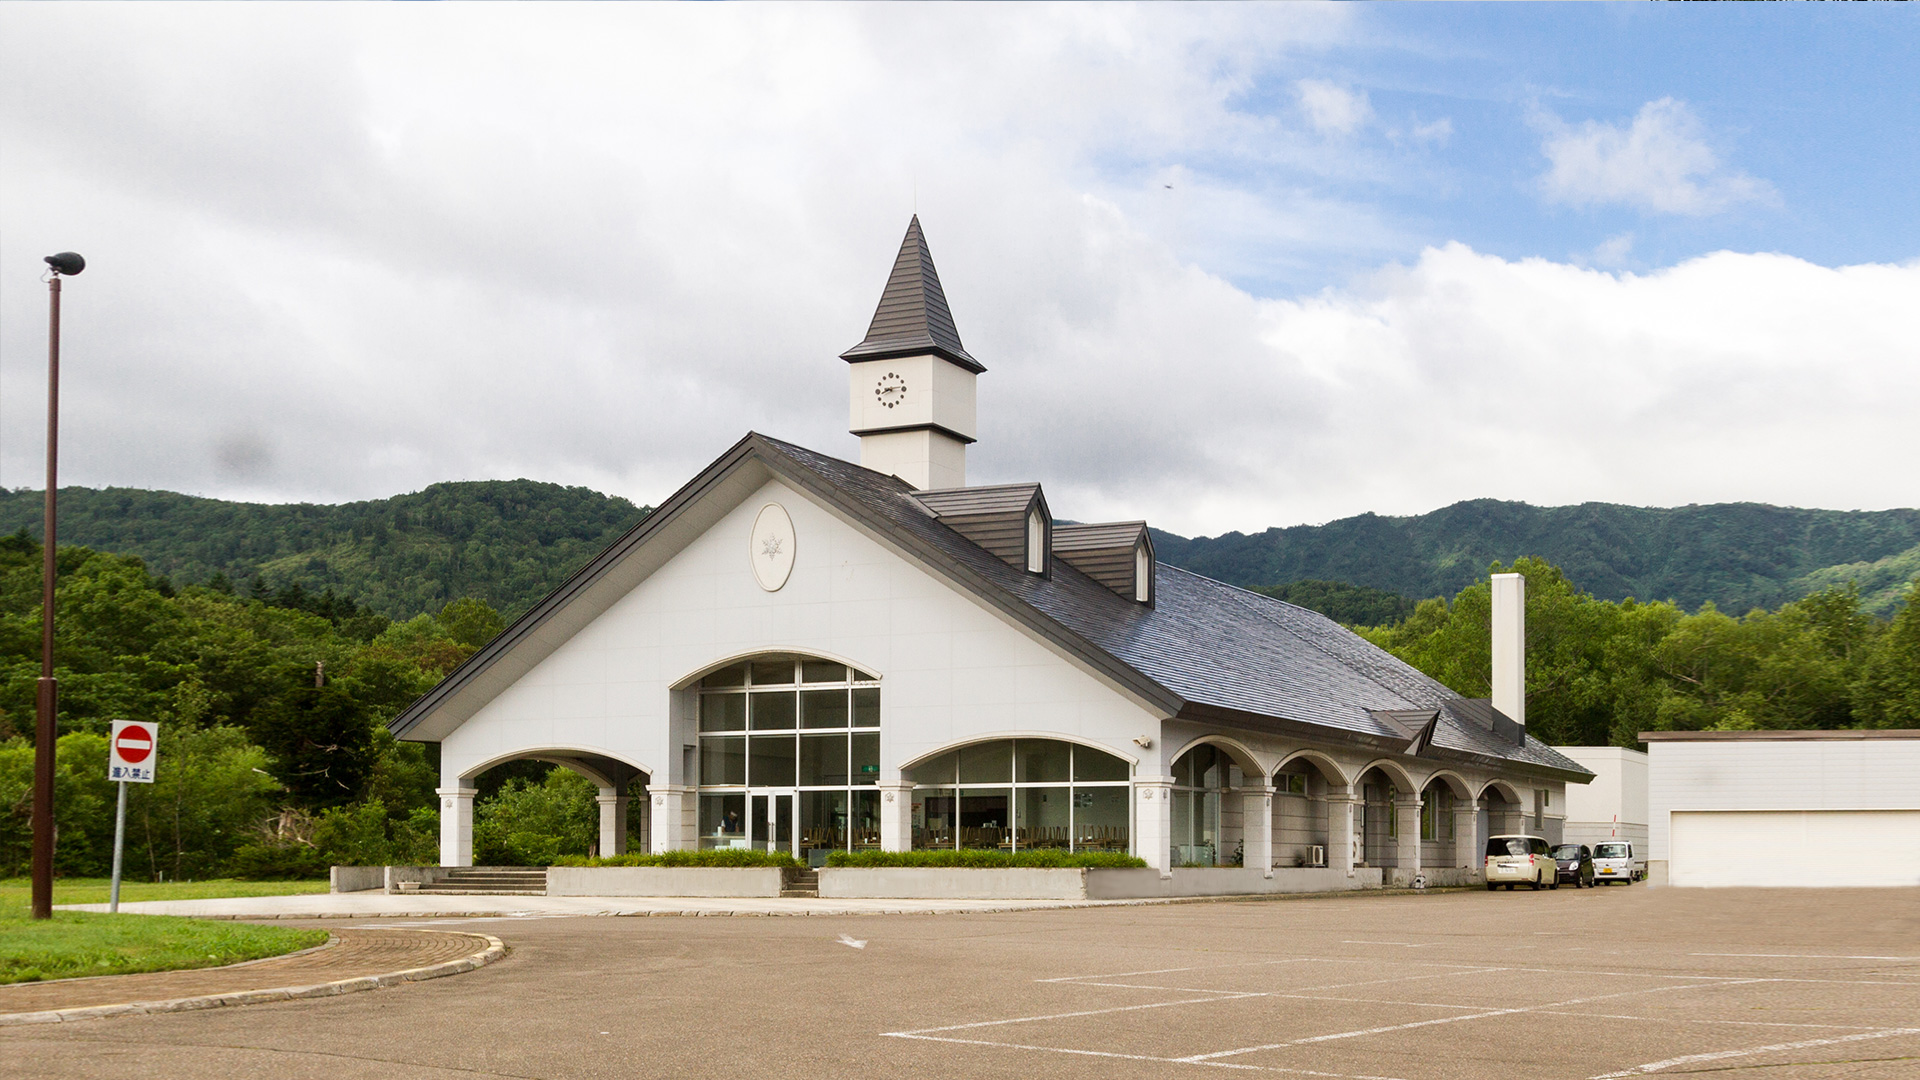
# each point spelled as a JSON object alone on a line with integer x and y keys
{"x": 1614, "y": 806}
{"x": 1794, "y": 848}
{"x": 950, "y": 669}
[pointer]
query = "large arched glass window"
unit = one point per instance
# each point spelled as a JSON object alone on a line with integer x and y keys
{"x": 1200, "y": 777}
{"x": 1015, "y": 794}
{"x": 789, "y": 756}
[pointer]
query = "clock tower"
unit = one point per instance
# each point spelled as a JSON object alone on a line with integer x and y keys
{"x": 911, "y": 381}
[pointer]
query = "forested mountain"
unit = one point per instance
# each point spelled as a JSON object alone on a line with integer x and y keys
{"x": 1737, "y": 555}
{"x": 508, "y": 542}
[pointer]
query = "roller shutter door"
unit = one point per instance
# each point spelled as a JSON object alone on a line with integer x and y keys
{"x": 1794, "y": 848}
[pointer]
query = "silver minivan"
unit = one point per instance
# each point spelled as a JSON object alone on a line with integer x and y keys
{"x": 1519, "y": 858}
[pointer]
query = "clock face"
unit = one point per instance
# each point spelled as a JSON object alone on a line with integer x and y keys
{"x": 891, "y": 390}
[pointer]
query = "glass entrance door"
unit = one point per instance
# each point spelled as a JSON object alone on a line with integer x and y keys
{"x": 770, "y": 818}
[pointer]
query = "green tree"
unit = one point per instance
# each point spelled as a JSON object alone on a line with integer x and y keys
{"x": 1886, "y": 694}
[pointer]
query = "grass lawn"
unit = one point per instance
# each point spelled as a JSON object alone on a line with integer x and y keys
{"x": 76, "y": 943}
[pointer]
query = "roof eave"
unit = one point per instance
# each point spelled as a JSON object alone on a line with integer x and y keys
{"x": 862, "y": 353}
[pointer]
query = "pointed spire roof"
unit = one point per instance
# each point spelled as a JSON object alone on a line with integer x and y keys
{"x": 913, "y": 318}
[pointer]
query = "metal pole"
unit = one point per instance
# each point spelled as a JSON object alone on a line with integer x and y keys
{"x": 48, "y": 697}
{"x": 119, "y": 845}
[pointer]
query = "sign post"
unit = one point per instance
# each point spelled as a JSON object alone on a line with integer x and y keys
{"x": 131, "y": 753}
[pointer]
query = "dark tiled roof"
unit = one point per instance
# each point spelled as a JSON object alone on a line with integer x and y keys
{"x": 913, "y": 317}
{"x": 1203, "y": 649}
{"x": 1208, "y": 643}
{"x": 1100, "y": 537}
{"x": 995, "y": 499}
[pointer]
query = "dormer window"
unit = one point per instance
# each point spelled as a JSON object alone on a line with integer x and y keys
{"x": 1117, "y": 554}
{"x": 1036, "y": 541}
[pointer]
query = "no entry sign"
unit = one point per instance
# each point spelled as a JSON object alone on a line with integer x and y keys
{"x": 131, "y": 751}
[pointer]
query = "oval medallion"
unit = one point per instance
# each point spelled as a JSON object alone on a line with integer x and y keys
{"x": 770, "y": 547}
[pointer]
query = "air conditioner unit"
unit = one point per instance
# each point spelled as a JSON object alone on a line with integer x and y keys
{"x": 1316, "y": 856}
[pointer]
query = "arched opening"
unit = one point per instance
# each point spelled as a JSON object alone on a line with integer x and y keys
{"x": 1302, "y": 822}
{"x": 532, "y": 806}
{"x": 789, "y": 757}
{"x": 1379, "y": 792}
{"x": 1018, "y": 794}
{"x": 1499, "y": 810}
{"x": 1205, "y": 826}
{"x": 1443, "y": 824}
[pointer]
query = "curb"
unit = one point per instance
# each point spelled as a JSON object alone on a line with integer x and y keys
{"x": 495, "y": 950}
{"x": 691, "y": 913}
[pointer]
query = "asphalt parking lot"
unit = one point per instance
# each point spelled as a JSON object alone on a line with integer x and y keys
{"x": 1572, "y": 983}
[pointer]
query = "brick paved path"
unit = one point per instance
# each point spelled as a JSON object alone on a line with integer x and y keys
{"x": 348, "y": 954}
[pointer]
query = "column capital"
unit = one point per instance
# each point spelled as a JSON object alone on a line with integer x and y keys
{"x": 456, "y": 792}
{"x": 605, "y": 799}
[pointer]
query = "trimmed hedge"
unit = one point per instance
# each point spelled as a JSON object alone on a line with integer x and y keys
{"x": 716, "y": 857}
{"x": 987, "y": 860}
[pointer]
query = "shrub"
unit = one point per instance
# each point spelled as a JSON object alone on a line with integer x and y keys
{"x": 988, "y": 860}
{"x": 716, "y": 857}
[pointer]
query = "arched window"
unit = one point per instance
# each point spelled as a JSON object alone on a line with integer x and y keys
{"x": 789, "y": 756}
{"x": 1200, "y": 777}
{"x": 1014, "y": 794}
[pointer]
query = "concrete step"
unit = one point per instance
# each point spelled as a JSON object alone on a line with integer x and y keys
{"x": 490, "y": 881}
{"x": 444, "y": 890}
{"x": 800, "y": 883}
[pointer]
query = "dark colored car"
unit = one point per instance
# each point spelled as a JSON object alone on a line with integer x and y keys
{"x": 1576, "y": 865}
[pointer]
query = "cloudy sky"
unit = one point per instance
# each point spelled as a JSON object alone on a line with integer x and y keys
{"x": 1229, "y": 267}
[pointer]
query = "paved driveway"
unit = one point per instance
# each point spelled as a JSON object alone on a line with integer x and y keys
{"x": 1575, "y": 984}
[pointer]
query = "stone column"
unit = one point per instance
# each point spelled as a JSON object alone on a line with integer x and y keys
{"x": 674, "y": 818}
{"x": 1256, "y": 827}
{"x": 896, "y": 816}
{"x": 1406, "y": 855}
{"x": 456, "y": 825}
{"x": 1340, "y": 838}
{"x": 1467, "y": 842}
{"x": 613, "y": 822}
{"x": 1153, "y": 822}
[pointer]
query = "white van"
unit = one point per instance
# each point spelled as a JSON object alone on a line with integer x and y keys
{"x": 1613, "y": 860}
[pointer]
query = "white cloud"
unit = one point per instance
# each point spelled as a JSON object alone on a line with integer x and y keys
{"x": 1612, "y": 252}
{"x": 1332, "y": 109}
{"x": 343, "y": 252}
{"x": 1660, "y": 162}
{"x": 1437, "y": 131}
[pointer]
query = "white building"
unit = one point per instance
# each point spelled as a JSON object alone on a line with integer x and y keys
{"x": 1614, "y": 805}
{"x": 1787, "y": 808}
{"x": 797, "y": 652}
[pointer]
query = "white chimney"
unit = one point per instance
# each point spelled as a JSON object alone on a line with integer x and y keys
{"x": 1510, "y": 646}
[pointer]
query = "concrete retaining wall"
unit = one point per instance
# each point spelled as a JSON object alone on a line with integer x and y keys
{"x": 725, "y": 881}
{"x": 942, "y": 883}
{"x": 356, "y": 878}
{"x": 1224, "y": 881}
{"x": 932, "y": 883}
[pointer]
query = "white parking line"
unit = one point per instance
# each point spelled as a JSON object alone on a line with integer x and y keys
{"x": 1312, "y": 1039}
{"x": 1145, "y": 1057}
{"x": 1727, "y": 1055}
{"x": 1803, "y": 956}
{"x": 1063, "y": 1016}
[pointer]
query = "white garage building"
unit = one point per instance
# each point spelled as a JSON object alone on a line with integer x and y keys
{"x": 1783, "y": 808}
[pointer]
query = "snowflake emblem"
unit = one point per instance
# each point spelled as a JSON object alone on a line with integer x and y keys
{"x": 770, "y": 547}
